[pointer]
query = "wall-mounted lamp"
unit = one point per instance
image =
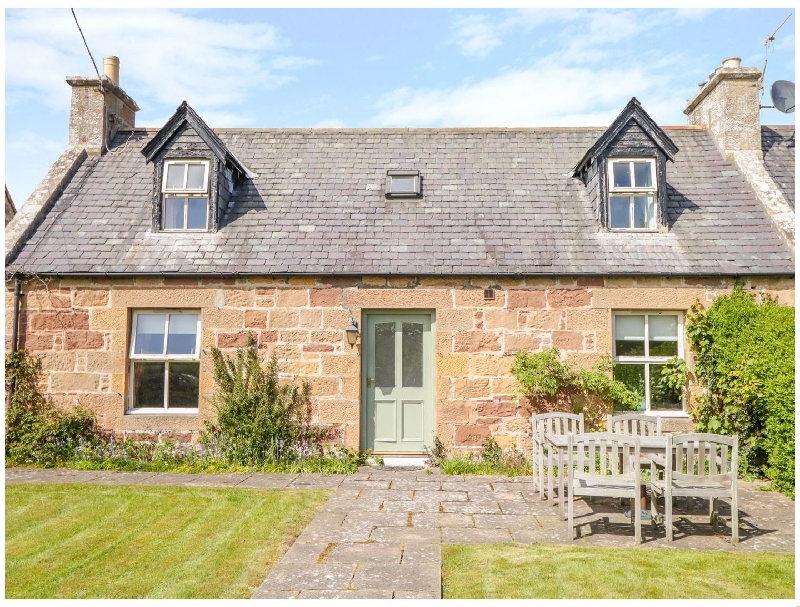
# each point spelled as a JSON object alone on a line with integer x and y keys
{"x": 352, "y": 332}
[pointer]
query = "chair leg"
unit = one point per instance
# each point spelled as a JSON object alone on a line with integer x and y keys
{"x": 637, "y": 508}
{"x": 734, "y": 518}
{"x": 541, "y": 472}
{"x": 570, "y": 515}
{"x": 550, "y": 497}
{"x": 561, "y": 485}
{"x": 712, "y": 514}
{"x": 668, "y": 514}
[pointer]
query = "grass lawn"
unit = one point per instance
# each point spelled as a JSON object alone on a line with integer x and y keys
{"x": 525, "y": 571}
{"x": 94, "y": 541}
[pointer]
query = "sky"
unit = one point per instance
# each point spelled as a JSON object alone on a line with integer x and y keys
{"x": 367, "y": 68}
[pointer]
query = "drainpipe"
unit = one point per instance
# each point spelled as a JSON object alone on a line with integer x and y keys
{"x": 15, "y": 331}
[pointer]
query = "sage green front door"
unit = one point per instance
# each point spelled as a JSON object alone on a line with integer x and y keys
{"x": 398, "y": 383}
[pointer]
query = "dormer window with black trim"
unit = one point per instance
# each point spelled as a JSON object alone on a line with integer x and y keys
{"x": 185, "y": 190}
{"x": 403, "y": 184}
{"x": 194, "y": 175}
{"x": 632, "y": 193}
{"x": 625, "y": 173}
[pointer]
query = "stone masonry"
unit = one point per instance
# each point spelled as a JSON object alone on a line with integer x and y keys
{"x": 81, "y": 329}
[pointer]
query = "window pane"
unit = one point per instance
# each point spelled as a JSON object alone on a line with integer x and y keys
{"x": 622, "y": 174}
{"x": 184, "y": 384}
{"x": 643, "y": 212}
{"x": 175, "y": 174}
{"x": 629, "y": 335}
{"x": 198, "y": 213}
{"x": 403, "y": 184}
{"x": 642, "y": 174}
{"x": 663, "y": 335}
{"x": 620, "y": 212}
{"x": 412, "y": 355}
{"x": 633, "y": 377}
{"x": 182, "y": 334}
{"x": 173, "y": 213}
{"x": 384, "y": 354}
{"x": 150, "y": 334}
{"x": 148, "y": 384}
{"x": 661, "y": 397}
{"x": 196, "y": 179}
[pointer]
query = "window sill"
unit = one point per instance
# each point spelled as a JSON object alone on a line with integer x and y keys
{"x": 162, "y": 412}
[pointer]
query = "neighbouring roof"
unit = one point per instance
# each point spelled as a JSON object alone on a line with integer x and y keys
{"x": 11, "y": 210}
{"x": 778, "y": 145}
{"x": 495, "y": 202}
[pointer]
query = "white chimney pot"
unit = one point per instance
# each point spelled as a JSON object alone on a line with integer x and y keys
{"x": 732, "y": 62}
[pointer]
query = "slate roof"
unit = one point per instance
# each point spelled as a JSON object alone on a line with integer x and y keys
{"x": 777, "y": 142}
{"x": 495, "y": 202}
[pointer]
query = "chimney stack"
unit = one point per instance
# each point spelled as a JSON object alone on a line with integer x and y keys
{"x": 99, "y": 108}
{"x": 728, "y": 105}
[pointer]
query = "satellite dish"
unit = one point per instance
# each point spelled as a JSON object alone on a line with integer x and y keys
{"x": 782, "y": 94}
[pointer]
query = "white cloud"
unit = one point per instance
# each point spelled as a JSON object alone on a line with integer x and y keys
{"x": 165, "y": 55}
{"x": 475, "y": 35}
{"x": 284, "y": 62}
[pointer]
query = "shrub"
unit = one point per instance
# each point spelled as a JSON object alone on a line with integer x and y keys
{"x": 745, "y": 363}
{"x": 491, "y": 459}
{"x": 545, "y": 377}
{"x": 259, "y": 420}
{"x": 38, "y": 432}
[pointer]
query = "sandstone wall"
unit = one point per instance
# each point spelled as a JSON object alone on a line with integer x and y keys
{"x": 81, "y": 329}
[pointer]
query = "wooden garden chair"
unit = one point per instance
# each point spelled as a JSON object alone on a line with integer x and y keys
{"x": 700, "y": 465}
{"x": 602, "y": 464}
{"x": 544, "y": 425}
{"x": 634, "y": 424}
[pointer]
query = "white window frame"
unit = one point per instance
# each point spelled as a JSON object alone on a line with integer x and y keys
{"x": 391, "y": 174}
{"x": 632, "y": 191}
{"x": 185, "y": 161}
{"x": 648, "y": 360}
{"x": 165, "y": 358}
{"x": 184, "y": 192}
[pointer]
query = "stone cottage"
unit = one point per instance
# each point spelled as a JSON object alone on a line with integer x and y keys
{"x": 440, "y": 253}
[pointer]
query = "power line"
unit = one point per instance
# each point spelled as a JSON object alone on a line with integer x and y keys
{"x": 90, "y": 52}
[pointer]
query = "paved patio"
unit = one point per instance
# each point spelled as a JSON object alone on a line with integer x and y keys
{"x": 380, "y": 533}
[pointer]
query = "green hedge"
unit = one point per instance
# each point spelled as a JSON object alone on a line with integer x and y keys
{"x": 745, "y": 362}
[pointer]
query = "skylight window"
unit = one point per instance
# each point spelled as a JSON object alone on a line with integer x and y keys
{"x": 403, "y": 184}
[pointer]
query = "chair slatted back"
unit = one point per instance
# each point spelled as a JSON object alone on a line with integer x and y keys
{"x": 706, "y": 457}
{"x": 546, "y": 424}
{"x": 634, "y": 424}
{"x": 603, "y": 454}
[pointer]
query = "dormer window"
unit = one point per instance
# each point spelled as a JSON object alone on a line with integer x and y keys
{"x": 185, "y": 189}
{"x": 403, "y": 184}
{"x": 632, "y": 193}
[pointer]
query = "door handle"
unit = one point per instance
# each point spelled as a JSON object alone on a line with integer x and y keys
{"x": 370, "y": 381}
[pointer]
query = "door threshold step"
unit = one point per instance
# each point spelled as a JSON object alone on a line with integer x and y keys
{"x": 394, "y": 462}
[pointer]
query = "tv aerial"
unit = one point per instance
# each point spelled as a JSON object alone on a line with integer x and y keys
{"x": 782, "y": 95}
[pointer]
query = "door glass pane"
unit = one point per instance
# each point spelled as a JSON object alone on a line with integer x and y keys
{"x": 182, "y": 334}
{"x": 412, "y": 355}
{"x": 643, "y": 208}
{"x": 622, "y": 174}
{"x": 643, "y": 176}
{"x": 663, "y": 335}
{"x": 175, "y": 174}
{"x": 629, "y": 335}
{"x": 173, "y": 213}
{"x": 150, "y": 334}
{"x": 198, "y": 213}
{"x": 633, "y": 377}
{"x": 148, "y": 384}
{"x": 384, "y": 354}
{"x": 184, "y": 384}
{"x": 196, "y": 178}
{"x": 662, "y": 397}
{"x": 620, "y": 212}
